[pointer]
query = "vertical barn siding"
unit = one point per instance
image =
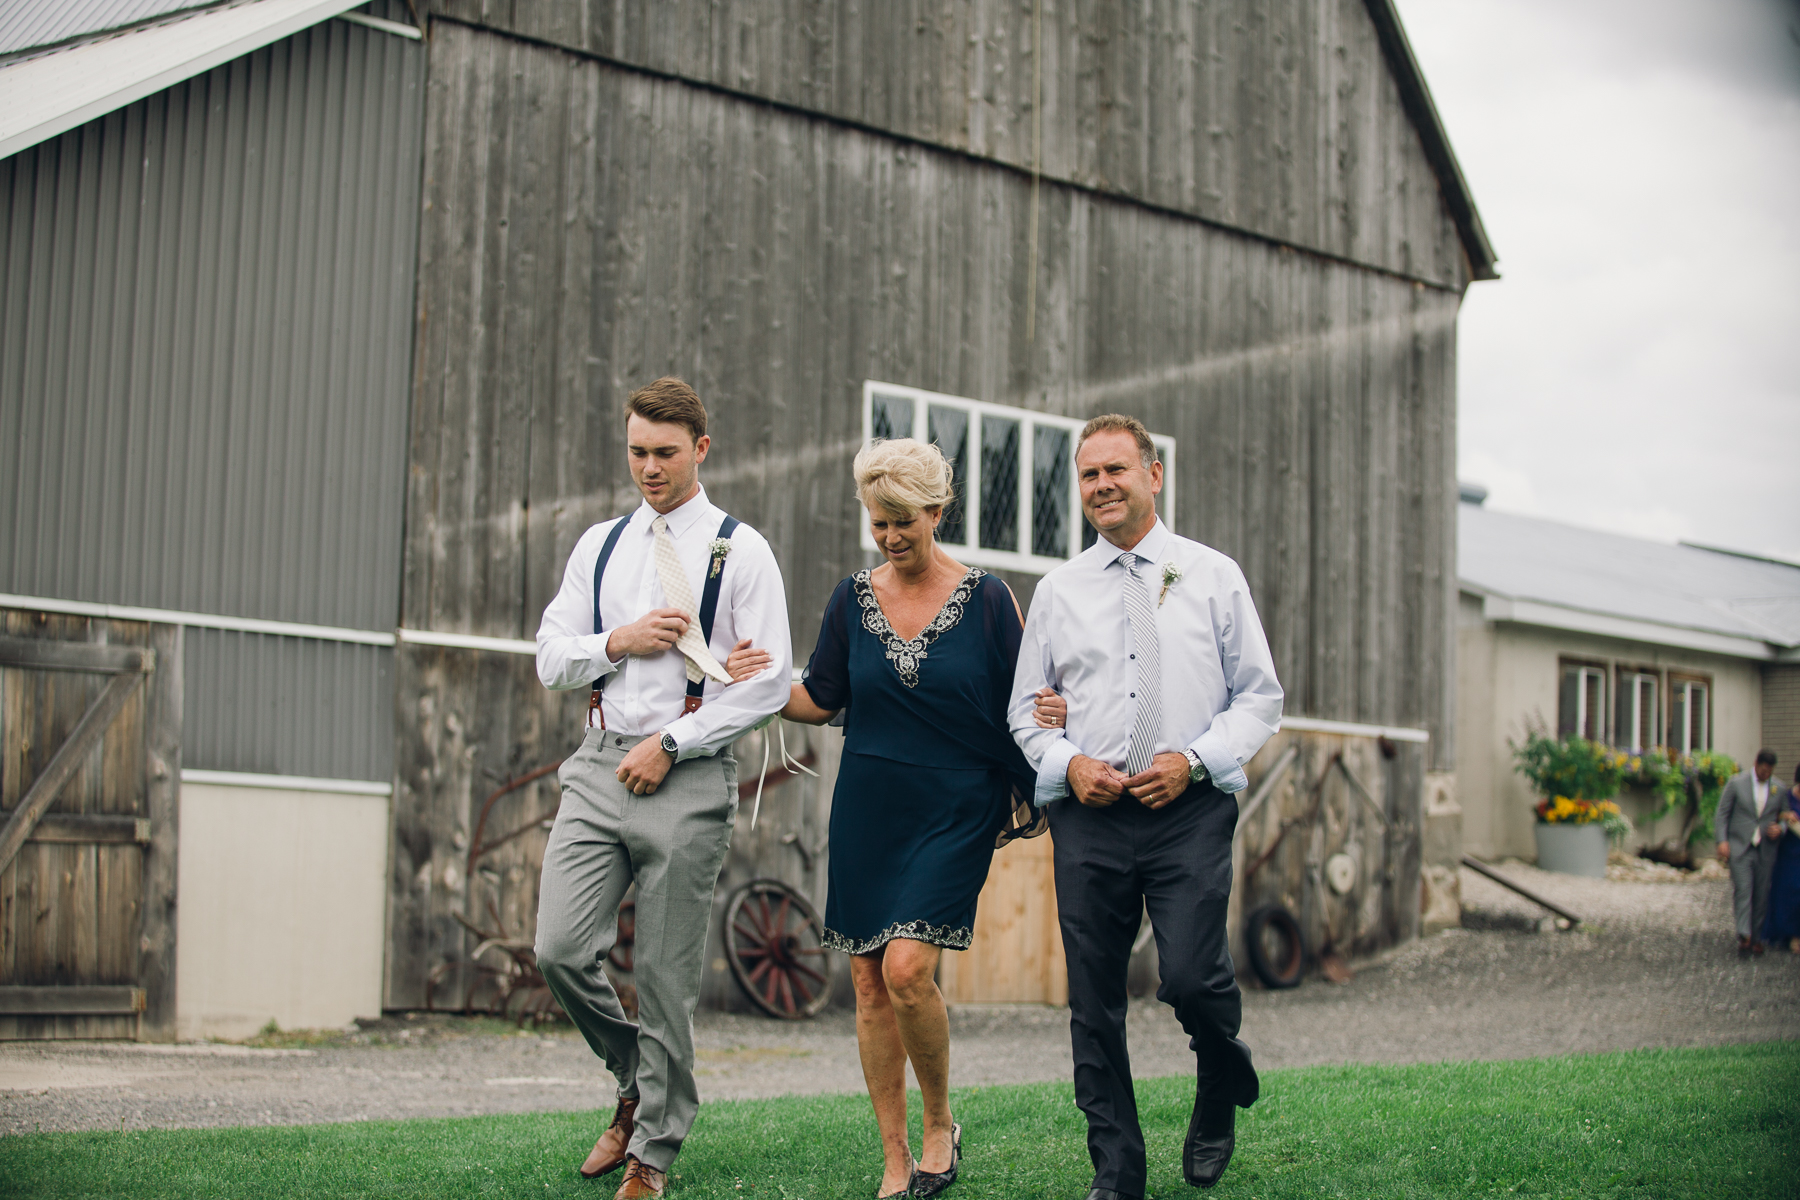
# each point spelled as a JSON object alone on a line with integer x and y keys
{"x": 589, "y": 227}
{"x": 205, "y": 340}
{"x": 1279, "y": 119}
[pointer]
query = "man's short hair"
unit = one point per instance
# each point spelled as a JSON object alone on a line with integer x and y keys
{"x": 1765, "y": 756}
{"x": 671, "y": 402}
{"x": 1123, "y": 424}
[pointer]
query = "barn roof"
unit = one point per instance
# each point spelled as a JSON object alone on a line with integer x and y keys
{"x": 1539, "y": 572}
{"x": 1416, "y": 96}
{"x": 66, "y": 62}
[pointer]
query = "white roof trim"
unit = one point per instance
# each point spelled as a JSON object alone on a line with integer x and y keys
{"x": 53, "y": 93}
{"x": 287, "y": 783}
{"x": 1575, "y": 620}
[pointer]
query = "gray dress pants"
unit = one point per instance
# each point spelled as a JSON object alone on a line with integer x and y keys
{"x": 1752, "y": 875}
{"x": 672, "y": 844}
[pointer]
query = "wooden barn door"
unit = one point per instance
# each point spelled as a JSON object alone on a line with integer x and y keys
{"x": 1017, "y": 954}
{"x": 90, "y": 763}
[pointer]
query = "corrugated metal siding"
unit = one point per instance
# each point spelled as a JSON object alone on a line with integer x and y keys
{"x": 206, "y": 335}
{"x": 288, "y": 706}
{"x": 28, "y": 23}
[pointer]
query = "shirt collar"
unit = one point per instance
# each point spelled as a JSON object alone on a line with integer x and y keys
{"x": 683, "y": 518}
{"x": 1149, "y": 550}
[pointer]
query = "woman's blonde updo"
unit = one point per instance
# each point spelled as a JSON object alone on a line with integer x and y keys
{"x": 900, "y": 476}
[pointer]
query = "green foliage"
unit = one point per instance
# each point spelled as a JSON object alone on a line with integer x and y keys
{"x": 1715, "y": 1121}
{"x": 1572, "y": 767}
{"x": 1678, "y": 781}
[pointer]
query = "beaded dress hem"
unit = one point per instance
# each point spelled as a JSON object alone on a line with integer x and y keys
{"x": 945, "y": 936}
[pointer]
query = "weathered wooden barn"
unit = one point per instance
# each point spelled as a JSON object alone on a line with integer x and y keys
{"x": 314, "y": 332}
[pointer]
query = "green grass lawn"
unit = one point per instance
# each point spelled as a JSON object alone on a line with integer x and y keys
{"x": 1715, "y": 1122}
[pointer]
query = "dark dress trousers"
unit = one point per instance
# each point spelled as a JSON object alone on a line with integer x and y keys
{"x": 1178, "y": 860}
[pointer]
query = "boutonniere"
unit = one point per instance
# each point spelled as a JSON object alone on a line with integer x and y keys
{"x": 720, "y": 548}
{"x": 1171, "y": 576}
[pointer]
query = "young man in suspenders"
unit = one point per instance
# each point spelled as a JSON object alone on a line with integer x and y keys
{"x": 651, "y": 604}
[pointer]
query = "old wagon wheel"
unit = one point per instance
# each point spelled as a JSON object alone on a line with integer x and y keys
{"x": 1272, "y": 937}
{"x": 775, "y": 945}
{"x": 621, "y": 955}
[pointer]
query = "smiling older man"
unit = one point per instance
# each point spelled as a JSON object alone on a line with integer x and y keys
{"x": 1154, "y": 647}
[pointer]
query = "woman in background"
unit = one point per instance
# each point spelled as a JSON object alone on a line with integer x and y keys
{"x": 1783, "y": 922}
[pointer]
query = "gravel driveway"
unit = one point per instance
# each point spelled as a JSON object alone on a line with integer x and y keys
{"x": 1653, "y": 964}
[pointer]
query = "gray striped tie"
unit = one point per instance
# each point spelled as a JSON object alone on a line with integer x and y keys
{"x": 1146, "y": 726}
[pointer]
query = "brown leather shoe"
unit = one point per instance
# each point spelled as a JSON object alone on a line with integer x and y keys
{"x": 1756, "y": 947}
{"x": 609, "y": 1152}
{"x": 641, "y": 1182}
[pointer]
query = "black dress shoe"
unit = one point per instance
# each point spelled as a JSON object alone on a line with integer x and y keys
{"x": 1211, "y": 1137}
{"x": 1101, "y": 1193}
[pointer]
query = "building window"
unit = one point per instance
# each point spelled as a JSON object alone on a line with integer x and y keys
{"x": 1581, "y": 704}
{"x": 1017, "y": 504}
{"x": 1690, "y": 713}
{"x": 1637, "y": 725}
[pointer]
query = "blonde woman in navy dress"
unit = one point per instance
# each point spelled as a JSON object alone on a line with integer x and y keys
{"x": 919, "y": 654}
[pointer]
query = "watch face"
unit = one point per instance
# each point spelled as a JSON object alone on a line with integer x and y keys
{"x": 668, "y": 744}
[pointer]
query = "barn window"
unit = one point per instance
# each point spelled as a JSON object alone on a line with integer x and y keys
{"x": 1636, "y": 727}
{"x": 1017, "y": 505}
{"x": 1581, "y": 702}
{"x": 1690, "y": 713}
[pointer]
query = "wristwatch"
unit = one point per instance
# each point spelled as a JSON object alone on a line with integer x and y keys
{"x": 1196, "y": 768}
{"x": 669, "y": 746}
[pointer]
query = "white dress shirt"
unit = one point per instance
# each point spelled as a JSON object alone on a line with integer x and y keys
{"x": 1759, "y": 803}
{"x": 1220, "y": 695}
{"x": 646, "y": 694}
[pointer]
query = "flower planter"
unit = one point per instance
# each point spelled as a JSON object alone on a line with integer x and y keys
{"x": 1572, "y": 849}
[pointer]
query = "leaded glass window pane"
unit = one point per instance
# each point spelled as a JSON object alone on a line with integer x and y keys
{"x": 890, "y": 416}
{"x": 1050, "y": 476}
{"x": 948, "y": 429}
{"x": 999, "y": 483}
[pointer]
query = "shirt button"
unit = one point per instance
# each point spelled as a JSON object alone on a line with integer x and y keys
{"x": 1134, "y": 695}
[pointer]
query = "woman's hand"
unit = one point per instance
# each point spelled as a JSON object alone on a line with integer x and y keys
{"x": 746, "y": 660}
{"x": 1052, "y": 711}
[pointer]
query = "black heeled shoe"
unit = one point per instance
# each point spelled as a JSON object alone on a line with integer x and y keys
{"x": 930, "y": 1183}
{"x": 911, "y": 1178}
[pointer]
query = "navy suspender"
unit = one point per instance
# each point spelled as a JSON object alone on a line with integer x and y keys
{"x": 612, "y": 539}
{"x": 709, "y": 606}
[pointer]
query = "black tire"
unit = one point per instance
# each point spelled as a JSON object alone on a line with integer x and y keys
{"x": 1272, "y": 938}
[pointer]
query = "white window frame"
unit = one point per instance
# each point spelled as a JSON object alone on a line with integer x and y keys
{"x": 1583, "y": 672}
{"x": 1632, "y": 685}
{"x": 970, "y": 551}
{"x": 1682, "y": 691}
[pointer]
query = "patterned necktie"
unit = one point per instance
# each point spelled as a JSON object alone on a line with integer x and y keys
{"x": 1146, "y": 726}
{"x": 680, "y": 594}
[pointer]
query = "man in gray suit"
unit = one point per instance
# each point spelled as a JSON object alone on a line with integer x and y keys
{"x": 1748, "y": 826}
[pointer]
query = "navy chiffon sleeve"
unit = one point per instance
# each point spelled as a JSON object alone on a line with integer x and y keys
{"x": 827, "y": 676}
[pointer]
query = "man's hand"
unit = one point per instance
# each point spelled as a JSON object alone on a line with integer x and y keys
{"x": 655, "y": 631}
{"x": 1094, "y": 783}
{"x": 1166, "y": 778}
{"x": 1724, "y": 852}
{"x": 1774, "y": 830}
{"x": 645, "y": 765}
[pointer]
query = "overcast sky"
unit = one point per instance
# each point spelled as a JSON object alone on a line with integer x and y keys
{"x": 1637, "y": 165}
